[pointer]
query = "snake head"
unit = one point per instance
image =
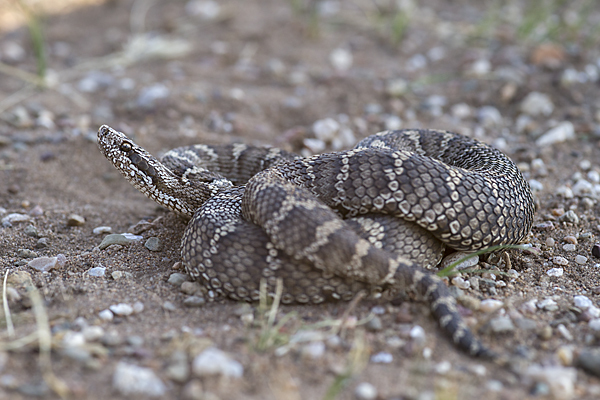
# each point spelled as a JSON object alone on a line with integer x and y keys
{"x": 182, "y": 193}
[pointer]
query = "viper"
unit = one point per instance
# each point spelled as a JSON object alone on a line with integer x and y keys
{"x": 331, "y": 225}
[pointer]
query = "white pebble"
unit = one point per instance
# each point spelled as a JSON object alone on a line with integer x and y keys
{"x": 97, "y": 271}
{"x": 535, "y": 185}
{"x": 365, "y": 391}
{"x": 560, "y": 133}
{"x": 138, "y": 307}
{"x": 490, "y": 305}
{"x": 582, "y": 187}
{"x": 564, "y": 191}
{"x": 326, "y": 129}
{"x": 461, "y": 111}
{"x": 564, "y": 332}
{"x": 537, "y": 104}
{"x": 15, "y": 218}
{"x": 43, "y": 264}
{"x": 594, "y": 324}
{"x": 489, "y": 116}
{"x": 558, "y": 260}
{"x": 581, "y": 260}
{"x": 417, "y": 333}
{"x": 480, "y": 68}
{"x": 569, "y": 247}
{"x": 582, "y": 302}
{"x": 530, "y": 306}
{"x": 593, "y": 312}
{"x": 555, "y": 272}
{"x": 313, "y": 350}
{"x": 393, "y": 122}
{"x": 461, "y": 283}
{"x": 341, "y": 59}
{"x": 382, "y": 358}
{"x": 106, "y": 315}
{"x": 121, "y": 309}
{"x": 442, "y": 368}
{"x": 102, "y": 229}
{"x": 585, "y": 164}
{"x": 130, "y": 379}
{"x": 593, "y": 176}
{"x": 213, "y": 361}
{"x": 92, "y": 333}
{"x": 548, "y": 304}
{"x": 314, "y": 145}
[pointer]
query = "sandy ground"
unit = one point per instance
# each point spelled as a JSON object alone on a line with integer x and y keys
{"x": 262, "y": 72}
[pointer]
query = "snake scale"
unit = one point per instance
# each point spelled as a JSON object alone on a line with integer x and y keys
{"x": 334, "y": 224}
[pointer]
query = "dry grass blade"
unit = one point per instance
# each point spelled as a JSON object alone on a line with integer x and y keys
{"x": 10, "y": 328}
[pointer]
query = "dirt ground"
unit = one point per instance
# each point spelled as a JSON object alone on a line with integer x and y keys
{"x": 262, "y": 72}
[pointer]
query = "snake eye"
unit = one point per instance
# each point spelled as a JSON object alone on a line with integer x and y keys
{"x": 125, "y": 146}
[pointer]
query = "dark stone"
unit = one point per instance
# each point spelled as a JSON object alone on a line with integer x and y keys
{"x": 596, "y": 250}
{"x": 589, "y": 361}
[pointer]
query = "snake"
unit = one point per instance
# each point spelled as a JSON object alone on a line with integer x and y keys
{"x": 372, "y": 219}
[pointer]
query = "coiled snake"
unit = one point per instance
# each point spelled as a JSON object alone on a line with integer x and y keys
{"x": 337, "y": 223}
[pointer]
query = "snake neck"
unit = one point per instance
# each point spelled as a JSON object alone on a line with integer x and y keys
{"x": 181, "y": 194}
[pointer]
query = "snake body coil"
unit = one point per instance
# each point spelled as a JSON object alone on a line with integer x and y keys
{"x": 333, "y": 224}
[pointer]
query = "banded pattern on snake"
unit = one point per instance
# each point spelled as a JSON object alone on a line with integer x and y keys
{"x": 336, "y": 223}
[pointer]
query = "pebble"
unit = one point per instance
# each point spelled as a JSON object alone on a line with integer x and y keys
{"x": 92, "y": 333}
{"x": 594, "y": 324}
{"x": 582, "y": 302}
{"x": 41, "y": 243}
{"x": 316, "y": 146}
{"x": 417, "y": 333}
{"x": 121, "y": 309}
{"x": 559, "y": 260}
{"x": 14, "y": 218}
{"x": 138, "y": 307}
{"x": 97, "y": 271}
{"x": 177, "y": 278}
{"x": 537, "y": 104}
{"x": 116, "y": 275}
{"x": 560, "y": 133}
{"x": 564, "y": 332}
{"x": 461, "y": 283}
{"x": 213, "y": 361}
{"x": 178, "y": 368}
{"x": 26, "y": 253}
{"x": 526, "y": 324}
{"x": 570, "y": 216}
{"x": 374, "y": 324}
{"x": 114, "y": 238}
{"x": 589, "y": 361}
{"x": 313, "y": 350}
{"x": 596, "y": 250}
{"x": 569, "y": 247}
{"x": 544, "y": 226}
{"x": 490, "y": 305}
{"x": 75, "y": 220}
{"x": 326, "y": 129}
{"x": 153, "y": 244}
{"x": 194, "y": 301}
{"x": 190, "y": 287}
{"x": 565, "y": 355}
{"x": 101, "y": 230}
{"x": 365, "y": 391}
{"x": 382, "y": 357}
{"x": 489, "y": 117}
{"x": 536, "y": 186}
{"x": 169, "y": 306}
{"x": 341, "y": 59}
{"x": 396, "y": 87}
{"x": 502, "y": 324}
{"x": 555, "y": 272}
{"x": 150, "y": 96}
{"x": 560, "y": 380}
{"x": 31, "y": 231}
{"x": 582, "y": 187}
{"x": 43, "y": 264}
{"x": 581, "y": 260}
{"x": 548, "y": 305}
{"x": 461, "y": 111}
{"x": 106, "y": 315}
{"x": 94, "y": 81}
{"x": 131, "y": 379}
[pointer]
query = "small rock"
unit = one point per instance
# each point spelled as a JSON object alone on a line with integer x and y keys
{"x": 31, "y": 231}
{"x": 194, "y": 301}
{"x": 490, "y": 305}
{"x": 313, "y": 350}
{"x": 490, "y": 117}
{"x": 15, "y": 218}
{"x": 150, "y": 96}
{"x": 461, "y": 283}
{"x": 589, "y": 361}
{"x": 153, "y": 244}
{"x": 596, "y": 250}
{"x": 564, "y": 332}
{"x": 326, "y": 129}
{"x": 114, "y": 238}
{"x": 383, "y": 357}
{"x": 544, "y": 226}
{"x": 75, "y": 220}
{"x": 569, "y": 247}
{"x": 537, "y": 104}
{"x": 341, "y": 59}
{"x": 581, "y": 260}
{"x": 565, "y": 355}
{"x": 138, "y": 307}
{"x": 26, "y": 253}
{"x": 570, "y": 216}
{"x": 106, "y": 315}
{"x": 397, "y": 87}
{"x": 456, "y": 256}
{"x": 594, "y": 324}
{"x": 101, "y": 230}
{"x": 92, "y": 333}
{"x": 417, "y": 333}
{"x": 121, "y": 309}
{"x": 42, "y": 243}
{"x": 177, "y": 278}
{"x": 560, "y": 133}
{"x": 548, "y": 305}
{"x": 213, "y": 361}
{"x": 374, "y": 324}
{"x": 582, "y": 302}
{"x": 178, "y": 369}
{"x": 560, "y": 380}
{"x": 365, "y": 391}
{"x": 43, "y": 264}
{"x": 130, "y": 379}
{"x": 558, "y": 260}
{"x": 461, "y": 111}
{"x": 502, "y": 324}
{"x": 97, "y": 271}
{"x": 169, "y": 306}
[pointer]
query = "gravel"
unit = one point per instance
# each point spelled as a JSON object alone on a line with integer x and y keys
{"x": 129, "y": 379}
